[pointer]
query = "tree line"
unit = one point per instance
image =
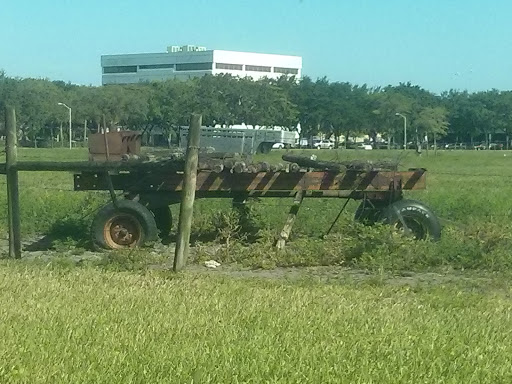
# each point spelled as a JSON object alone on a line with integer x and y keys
{"x": 334, "y": 109}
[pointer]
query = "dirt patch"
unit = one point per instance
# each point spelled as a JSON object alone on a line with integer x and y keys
{"x": 337, "y": 274}
{"x": 327, "y": 274}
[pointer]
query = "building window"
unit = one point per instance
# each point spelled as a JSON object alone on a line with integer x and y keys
{"x": 120, "y": 69}
{"x": 286, "y": 71}
{"x": 233, "y": 67}
{"x": 257, "y": 68}
{"x": 156, "y": 66}
{"x": 194, "y": 66}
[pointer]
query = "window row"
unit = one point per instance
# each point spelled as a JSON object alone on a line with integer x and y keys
{"x": 286, "y": 71}
{"x": 233, "y": 67}
{"x": 178, "y": 67}
{"x": 194, "y": 66}
{"x": 156, "y": 66}
{"x": 120, "y": 69}
{"x": 257, "y": 68}
{"x": 199, "y": 67}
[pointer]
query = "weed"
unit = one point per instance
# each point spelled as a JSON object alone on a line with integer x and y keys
{"x": 130, "y": 260}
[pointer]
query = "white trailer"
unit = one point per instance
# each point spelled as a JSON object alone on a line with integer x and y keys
{"x": 241, "y": 140}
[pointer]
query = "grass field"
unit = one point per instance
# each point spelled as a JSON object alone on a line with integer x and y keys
{"x": 88, "y": 325}
{"x": 119, "y": 321}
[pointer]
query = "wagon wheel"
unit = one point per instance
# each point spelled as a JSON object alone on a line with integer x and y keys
{"x": 127, "y": 225}
{"x": 122, "y": 230}
{"x": 413, "y": 218}
{"x": 264, "y": 148}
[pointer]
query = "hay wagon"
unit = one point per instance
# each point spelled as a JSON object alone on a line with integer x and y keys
{"x": 150, "y": 187}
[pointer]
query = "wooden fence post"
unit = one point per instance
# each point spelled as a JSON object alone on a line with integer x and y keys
{"x": 13, "y": 201}
{"x": 188, "y": 194}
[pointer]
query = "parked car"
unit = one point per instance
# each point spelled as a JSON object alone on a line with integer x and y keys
{"x": 365, "y": 146}
{"x": 480, "y": 147}
{"x": 455, "y": 146}
{"x": 495, "y": 146}
{"x": 384, "y": 145}
{"x": 278, "y": 146}
{"x": 304, "y": 143}
{"x": 323, "y": 144}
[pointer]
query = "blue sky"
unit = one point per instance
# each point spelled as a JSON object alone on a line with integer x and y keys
{"x": 437, "y": 44}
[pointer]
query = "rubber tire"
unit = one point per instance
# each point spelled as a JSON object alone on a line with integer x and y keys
{"x": 370, "y": 212}
{"x": 163, "y": 219}
{"x": 418, "y": 214}
{"x": 144, "y": 217}
{"x": 264, "y": 148}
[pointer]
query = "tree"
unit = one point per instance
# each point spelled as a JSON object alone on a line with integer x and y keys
{"x": 432, "y": 122}
{"x": 386, "y": 103}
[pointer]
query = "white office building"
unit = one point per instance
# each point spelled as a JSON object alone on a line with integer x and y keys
{"x": 185, "y": 62}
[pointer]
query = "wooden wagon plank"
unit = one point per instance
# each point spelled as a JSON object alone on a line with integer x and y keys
{"x": 372, "y": 181}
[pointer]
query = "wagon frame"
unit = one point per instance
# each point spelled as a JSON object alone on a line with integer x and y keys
{"x": 380, "y": 193}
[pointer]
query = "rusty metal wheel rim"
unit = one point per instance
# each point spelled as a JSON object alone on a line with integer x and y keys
{"x": 122, "y": 231}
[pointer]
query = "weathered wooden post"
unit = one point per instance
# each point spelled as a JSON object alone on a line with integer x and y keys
{"x": 13, "y": 201}
{"x": 188, "y": 194}
{"x": 285, "y": 233}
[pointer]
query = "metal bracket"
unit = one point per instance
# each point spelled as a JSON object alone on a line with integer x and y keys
{"x": 110, "y": 186}
{"x": 337, "y": 217}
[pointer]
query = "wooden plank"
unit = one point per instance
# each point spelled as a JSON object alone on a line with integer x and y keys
{"x": 263, "y": 181}
{"x": 94, "y": 166}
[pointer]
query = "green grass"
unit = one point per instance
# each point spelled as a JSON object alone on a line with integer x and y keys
{"x": 115, "y": 320}
{"x": 47, "y": 199}
{"x": 88, "y": 325}
{"x": 469, "y": 190}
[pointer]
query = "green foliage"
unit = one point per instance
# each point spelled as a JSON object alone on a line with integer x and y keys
{"x": 331, "y": 108}
{"x": 134, "y": 260}
{"x": 433, "y": 121}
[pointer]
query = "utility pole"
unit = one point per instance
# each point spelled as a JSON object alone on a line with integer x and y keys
{"x": 405, "y": 128}
{"x": 69, "y": 110}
